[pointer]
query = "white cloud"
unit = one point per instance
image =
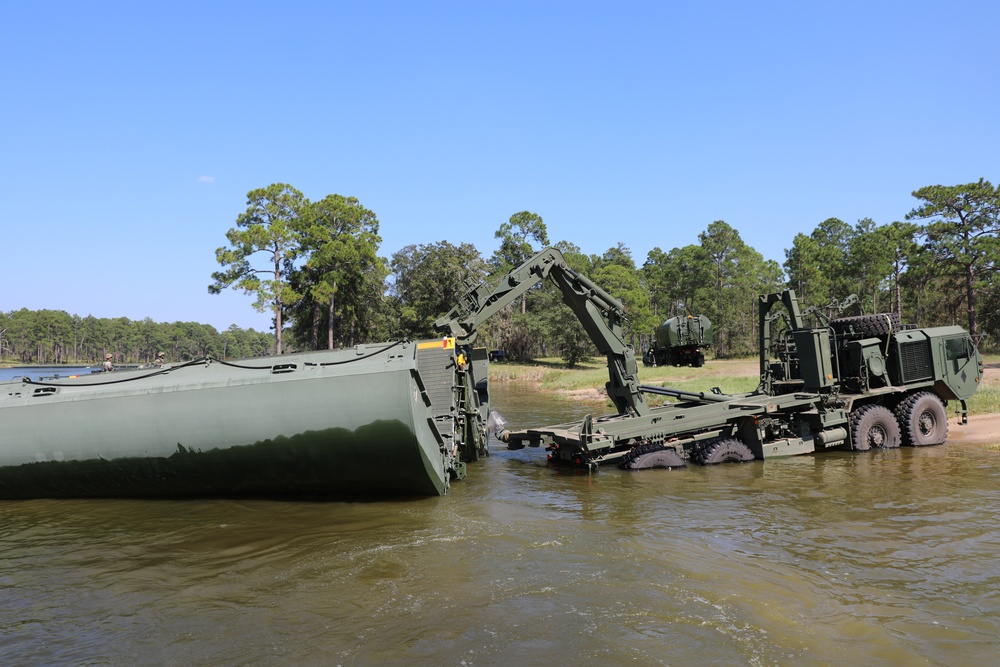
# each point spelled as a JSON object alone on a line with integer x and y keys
{"x": 206, "y": 179}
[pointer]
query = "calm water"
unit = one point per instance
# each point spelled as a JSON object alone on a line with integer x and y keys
{"x": 35, "y": 372}
{"x": 875, "y": 559}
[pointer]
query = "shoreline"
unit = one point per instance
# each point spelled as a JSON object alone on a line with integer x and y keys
{"x": 981, "y": 430}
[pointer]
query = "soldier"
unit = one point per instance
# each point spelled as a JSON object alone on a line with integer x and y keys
{"x": 108, "y": 366}
{"x": 159, "y": 361}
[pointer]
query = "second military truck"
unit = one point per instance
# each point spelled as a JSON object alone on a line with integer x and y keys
{"x": 679, "y": 342}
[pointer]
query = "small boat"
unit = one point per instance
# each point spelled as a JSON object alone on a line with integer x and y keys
{"x": 395, "y": 418}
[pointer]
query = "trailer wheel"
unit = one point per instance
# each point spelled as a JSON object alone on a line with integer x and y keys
{"x": 873, "y": 426}
{"x": 722, "y": 450}
{"x": 922, "y": 420}
{"x": 644, "y": 457}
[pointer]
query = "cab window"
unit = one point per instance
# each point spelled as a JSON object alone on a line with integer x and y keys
{"x": 955, "y": 348}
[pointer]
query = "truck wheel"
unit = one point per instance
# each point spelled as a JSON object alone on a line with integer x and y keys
{"x": 722, "y": 450}
{"x": 699, "y": 360}
{"x": 873, "y": 426}
{"x": 922, "y": 420}
{"x": 866, "y": 326}
{"x": 651, "y": 456}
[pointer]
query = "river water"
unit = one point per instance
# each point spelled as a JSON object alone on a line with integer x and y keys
{"x": 36, "y": 372}
{"x": 882, "y": 558}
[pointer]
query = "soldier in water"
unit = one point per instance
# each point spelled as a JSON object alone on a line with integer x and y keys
{"x": 108, "y": 366}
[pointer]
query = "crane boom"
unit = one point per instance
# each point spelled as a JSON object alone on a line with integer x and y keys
{"x": 601, "y": 315}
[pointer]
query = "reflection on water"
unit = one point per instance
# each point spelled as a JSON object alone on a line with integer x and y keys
{"x": 877, "y": 558}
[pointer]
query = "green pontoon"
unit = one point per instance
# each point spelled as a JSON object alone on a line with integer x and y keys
{"x": 371, "y": 420}
{"x": 398, "y": 418}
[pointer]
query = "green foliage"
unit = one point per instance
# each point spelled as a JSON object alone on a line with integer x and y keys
{"x": 960, "y": 237}
{"x": 521, "y": 236}
{"x": 620, "y": 255}
{"x": 899, "y": 238}
{"x": 318, "y": 264}
{"x": 314, "y": 262}
{"x": 616, "y": 273}
{"x": 674, "y": 278}
{"x": 55, "y": 337}
{"x": 428, "y": 281}
{"x": 731, "y": 376}
{"x": 558, "y": 332}
{"x": 270, "y": 226}
{"x": 817, "y": 265}
{"x": 342, "y": 279}
{"x": 868, "y": 260}
{"x": 516, "y": 236}
{"x": 738, "y": 274}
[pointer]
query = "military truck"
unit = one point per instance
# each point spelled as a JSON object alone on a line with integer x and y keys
{"x": 679, "y": 342}
{"x": 858, "y": 382}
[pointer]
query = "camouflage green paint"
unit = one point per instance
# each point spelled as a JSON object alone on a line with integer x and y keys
{"x": 332, "y": 423}
{"x": 377, "y": 459}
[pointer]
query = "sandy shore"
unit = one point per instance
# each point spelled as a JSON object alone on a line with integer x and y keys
{"x": 981, "y": 429}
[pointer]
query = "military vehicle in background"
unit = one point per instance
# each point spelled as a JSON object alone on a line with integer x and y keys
{"x": 858, "y": 382}
{"x": 680, "y": 341}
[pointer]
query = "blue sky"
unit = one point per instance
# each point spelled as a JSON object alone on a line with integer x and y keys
{"x": 131, "y": 132}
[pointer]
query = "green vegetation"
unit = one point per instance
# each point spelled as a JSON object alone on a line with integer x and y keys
{"x": 731, "y": 376}
{"x": 52, "y": 337}
{"x": 315, "y": 266}
{"x": 271, "y": 226}
{"x": 585, "y": 381}
{"x": 320, "y": 264}
{"x": 986, "y": 400}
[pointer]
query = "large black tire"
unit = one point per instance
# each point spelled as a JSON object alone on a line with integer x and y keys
{"x": 866, "y": 326}
{"x": 873, "y": 426}
{"x": 922, "y": 419}
{"x": 644, "y": 457}
{"x": 722, "y": 450}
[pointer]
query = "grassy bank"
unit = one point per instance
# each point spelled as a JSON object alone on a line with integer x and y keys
{"x": 586, "y": 381}
{"x": 987, "y": 399}
{"x": 732, "y": 376}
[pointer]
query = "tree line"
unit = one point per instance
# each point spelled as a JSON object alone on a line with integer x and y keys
{"x": 316, "y": 267}
{"x": 53, "y": 337}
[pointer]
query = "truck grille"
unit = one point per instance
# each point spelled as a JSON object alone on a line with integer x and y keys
{"x": 915, "y": 361}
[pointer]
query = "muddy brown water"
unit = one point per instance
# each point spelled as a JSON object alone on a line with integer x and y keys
{"x": 881, "y": 558}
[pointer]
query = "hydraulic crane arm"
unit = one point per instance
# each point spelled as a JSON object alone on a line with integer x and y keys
{"x": 600, "y": 314}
